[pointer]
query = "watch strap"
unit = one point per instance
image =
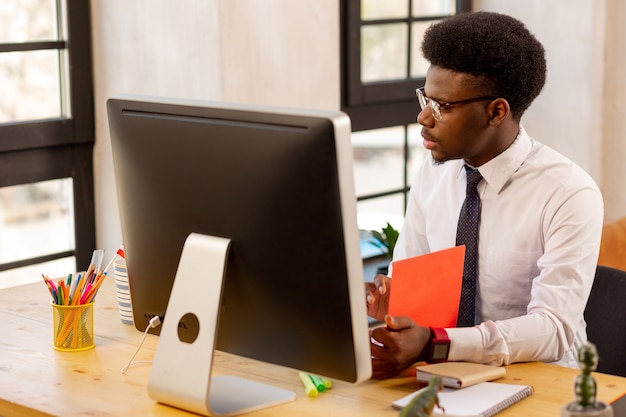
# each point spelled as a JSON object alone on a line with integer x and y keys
{"x": 439, "y": 345}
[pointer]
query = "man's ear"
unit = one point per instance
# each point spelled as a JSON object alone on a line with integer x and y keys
{"x": 498, "y": 110}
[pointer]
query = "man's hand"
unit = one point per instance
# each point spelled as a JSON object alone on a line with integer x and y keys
{"x": 397, "y": 346}
{"x": 377, "y": 296}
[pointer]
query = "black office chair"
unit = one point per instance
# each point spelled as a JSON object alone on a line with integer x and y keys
{"x": 606, "y": 319}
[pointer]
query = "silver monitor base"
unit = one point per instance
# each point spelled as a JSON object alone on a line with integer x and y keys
{"x": 181, "y": 374}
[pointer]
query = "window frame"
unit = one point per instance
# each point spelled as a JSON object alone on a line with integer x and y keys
{"x": 376, "y": 104}
{"x": 55, "y": 148}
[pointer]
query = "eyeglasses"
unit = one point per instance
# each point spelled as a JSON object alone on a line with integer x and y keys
{"x": 435, "y": 106}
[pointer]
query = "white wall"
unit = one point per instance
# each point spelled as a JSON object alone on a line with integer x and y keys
{"x": 573, "y": 35}
{"x": 613, "y": 145}
{"x": 280, "y": 52}
{"x": 286, "y": 52}
{"x": 153, "y": 47}
{"x": 581, "y": 110}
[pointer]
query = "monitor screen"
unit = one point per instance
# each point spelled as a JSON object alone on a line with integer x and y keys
{"x": 279, "y": 184}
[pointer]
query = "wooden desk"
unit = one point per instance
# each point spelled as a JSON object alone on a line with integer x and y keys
{"x": 36, "y": 380}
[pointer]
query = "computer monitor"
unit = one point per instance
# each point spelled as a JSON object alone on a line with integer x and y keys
{"x": 278, "y": 183}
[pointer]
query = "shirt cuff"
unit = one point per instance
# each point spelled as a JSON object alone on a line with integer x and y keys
{"x": 466, "y": 344}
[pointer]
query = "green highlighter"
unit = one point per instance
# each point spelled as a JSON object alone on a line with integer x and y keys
{"x": 318, "y": 382}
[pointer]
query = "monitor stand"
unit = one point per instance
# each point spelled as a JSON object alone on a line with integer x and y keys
{"x": 182, "y": 368}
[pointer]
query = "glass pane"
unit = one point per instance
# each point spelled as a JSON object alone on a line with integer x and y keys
{"x": 31, "y": 87}
{"x": 375, "y": 213}
{"x": 378, "y": 160}
{"x": 37, "y": 21}
{"x": 32, "y": 273}
{"x": 433, "y": 7}
{"x": 418, "y": 64}
{"x": 387, "y": 9}
{"x": 384, "y": 50}
{"x": 36, "y": 219}
{"x": 417, "y": 152}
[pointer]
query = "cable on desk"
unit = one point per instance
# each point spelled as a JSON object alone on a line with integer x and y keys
{"x": 154, "y": 322}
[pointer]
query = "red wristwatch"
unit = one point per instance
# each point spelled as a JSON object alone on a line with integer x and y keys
{"x": 439, "y": 345}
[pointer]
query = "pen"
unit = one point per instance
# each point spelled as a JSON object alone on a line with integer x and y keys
{"x": 51, "y": 288}
{"x": 81, "y": 286}
{"x": 84, "y": 296}
{"x": 69, "y": 280}
{"x": 317, "y": 381}
{"x": 119, "y": 252}
{"x": 54, "y": 287}
{"x": 90, "y": 295}
{"x": 61, "y": 297}
{"x": 99, "y": 281}
{"x": 309, "y": 388}
{"x": 75, "y": 290}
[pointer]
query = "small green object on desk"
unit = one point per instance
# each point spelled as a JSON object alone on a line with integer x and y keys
{"x": 585, "y": 385}
{"x": 585, "y": 388}
{"x": 422, "y": 404}
{"x": 318, "y": 382}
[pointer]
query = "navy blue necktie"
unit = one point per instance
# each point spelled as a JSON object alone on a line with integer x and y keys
{"x": 467, "y": 234}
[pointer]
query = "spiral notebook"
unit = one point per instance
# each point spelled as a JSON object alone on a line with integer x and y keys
{"x": 481, "y": 400}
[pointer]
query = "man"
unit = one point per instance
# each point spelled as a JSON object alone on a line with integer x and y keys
{"x": 540, "y": 215}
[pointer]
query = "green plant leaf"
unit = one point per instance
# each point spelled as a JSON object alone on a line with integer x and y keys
{"x": 385, "y": 239}
{"x": 391, "y": 236}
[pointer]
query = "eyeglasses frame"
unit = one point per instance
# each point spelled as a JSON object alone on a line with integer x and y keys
{"x": 435, "y": 106}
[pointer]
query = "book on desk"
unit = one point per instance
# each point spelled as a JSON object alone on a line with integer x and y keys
{"x": 459, "y": 374}
{"x": 485, "y": 399}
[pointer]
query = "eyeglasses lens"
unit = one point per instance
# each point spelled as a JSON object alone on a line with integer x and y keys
{"x": 426, "y": 102}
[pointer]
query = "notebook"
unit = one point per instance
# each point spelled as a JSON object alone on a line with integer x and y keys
{"x": 460, "y": 374}
{"x": 481, "y": 400}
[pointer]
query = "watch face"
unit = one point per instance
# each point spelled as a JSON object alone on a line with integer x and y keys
{"x": 440, "y": 351}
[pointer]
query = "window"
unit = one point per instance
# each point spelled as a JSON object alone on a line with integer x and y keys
{"x": 46, "y": 139}
{"x": 382, "y": 66}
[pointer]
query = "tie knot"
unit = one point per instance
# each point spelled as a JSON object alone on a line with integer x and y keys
{"x": 473, "y": 177}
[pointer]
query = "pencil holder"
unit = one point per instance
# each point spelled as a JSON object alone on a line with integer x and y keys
{"x": 72, "y": 327}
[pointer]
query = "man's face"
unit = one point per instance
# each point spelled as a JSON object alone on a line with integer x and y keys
{"x": 462, "y": 132}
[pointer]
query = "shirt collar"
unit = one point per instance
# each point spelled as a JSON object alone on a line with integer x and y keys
{"x": 498, "y": 171}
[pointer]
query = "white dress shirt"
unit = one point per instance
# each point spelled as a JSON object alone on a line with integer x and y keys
{"x": 540, "y": 229}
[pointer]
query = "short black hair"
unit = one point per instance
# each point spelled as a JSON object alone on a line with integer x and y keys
{"x": 496, "y": 48}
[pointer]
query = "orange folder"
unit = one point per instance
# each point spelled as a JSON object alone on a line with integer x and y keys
{"x": 427, "y": 288}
